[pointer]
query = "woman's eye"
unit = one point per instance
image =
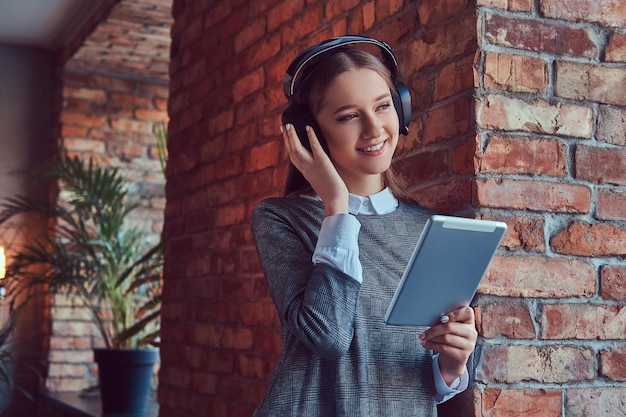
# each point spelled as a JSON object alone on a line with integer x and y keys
{"x": 384, "y": 106}
{"x": 347, "y": 117}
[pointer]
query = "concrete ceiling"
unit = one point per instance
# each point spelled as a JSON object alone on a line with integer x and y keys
{"x": 46, "y": 24}
{"x": 130, "y": 37}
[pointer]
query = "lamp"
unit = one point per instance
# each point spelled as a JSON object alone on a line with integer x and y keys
{"x": 3, "y": 272}
{"x": 3, "y": 263}
{"x": 3, "y": 290}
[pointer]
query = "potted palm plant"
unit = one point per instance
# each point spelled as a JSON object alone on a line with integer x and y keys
{"x": 93, "y": 253}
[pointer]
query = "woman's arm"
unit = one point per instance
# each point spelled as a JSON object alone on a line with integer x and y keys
{"x": 316, "y": 303}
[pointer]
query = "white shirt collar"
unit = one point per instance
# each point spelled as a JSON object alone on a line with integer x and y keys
{"x": 382, "y": 202}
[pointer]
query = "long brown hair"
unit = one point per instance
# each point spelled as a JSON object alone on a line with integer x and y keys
{"x": 315, "y": 81}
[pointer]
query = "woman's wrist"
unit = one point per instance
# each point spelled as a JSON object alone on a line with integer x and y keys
{"x": 450, "y": 373}
{"x": 336, "y": 207}
{"x": 450, "y": 378}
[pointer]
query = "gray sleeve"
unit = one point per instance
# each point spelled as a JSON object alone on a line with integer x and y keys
{"x": 316, "y": 303}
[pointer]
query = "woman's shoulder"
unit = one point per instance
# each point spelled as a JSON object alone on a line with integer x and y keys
{"x": 287, "y": 208}
{"x": 289, "y": 203}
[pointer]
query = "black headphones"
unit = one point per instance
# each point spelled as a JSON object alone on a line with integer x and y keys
{"x": 300, "y": 117}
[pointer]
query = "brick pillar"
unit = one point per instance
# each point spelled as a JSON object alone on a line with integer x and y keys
{"x": 517, "y": 117}
{"x": 550, "y": 100}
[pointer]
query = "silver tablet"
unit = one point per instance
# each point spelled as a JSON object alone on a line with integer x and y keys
{"x": 445, "y": 269}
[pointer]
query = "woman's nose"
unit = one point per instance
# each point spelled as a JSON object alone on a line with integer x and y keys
{"x": 372, "y": 126}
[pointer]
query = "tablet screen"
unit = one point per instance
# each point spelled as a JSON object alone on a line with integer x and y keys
{"x": 445, "y": 269}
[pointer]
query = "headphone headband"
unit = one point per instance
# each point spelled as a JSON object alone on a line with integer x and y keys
{"x": 289, "y": 85}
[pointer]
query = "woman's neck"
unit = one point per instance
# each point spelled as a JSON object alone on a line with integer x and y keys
{"x": 366, "y": 186}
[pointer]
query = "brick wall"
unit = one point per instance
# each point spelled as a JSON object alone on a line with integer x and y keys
{"x": 113, "y": 120}
{"x": 504, "y": 127}
{"x": 550, "y": 110}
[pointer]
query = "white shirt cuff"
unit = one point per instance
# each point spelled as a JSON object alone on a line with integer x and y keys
{"x": 338, "y": 245}
{"x": 443, "y": 391}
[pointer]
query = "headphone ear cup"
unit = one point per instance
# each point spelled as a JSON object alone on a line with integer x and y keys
{"x": 402, "y": 103}
{"x": 300, "y": 118}
{"x": 292, "y": 116}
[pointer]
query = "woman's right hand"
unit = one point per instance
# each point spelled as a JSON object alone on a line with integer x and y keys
{"x": 318, "y": 170}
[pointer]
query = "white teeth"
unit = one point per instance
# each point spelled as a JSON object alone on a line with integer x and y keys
{"x": 374, "y": 148}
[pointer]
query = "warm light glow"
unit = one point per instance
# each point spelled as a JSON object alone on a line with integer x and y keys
{"x": 3, "y": 267}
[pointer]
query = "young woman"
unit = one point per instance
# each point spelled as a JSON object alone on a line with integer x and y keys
{"x": 333, "y": 251}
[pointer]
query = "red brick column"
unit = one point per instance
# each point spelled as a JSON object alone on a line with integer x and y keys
{"x": 550, "y": 115}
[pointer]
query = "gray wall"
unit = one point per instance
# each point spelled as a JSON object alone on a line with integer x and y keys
{"x": 26, "y": 91}
{"x": 26, "y": 111}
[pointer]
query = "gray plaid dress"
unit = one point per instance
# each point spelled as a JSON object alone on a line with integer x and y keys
{"x": 338, "y": 356}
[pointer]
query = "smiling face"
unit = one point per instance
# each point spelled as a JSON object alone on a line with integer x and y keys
{"x": 358, "y": 119}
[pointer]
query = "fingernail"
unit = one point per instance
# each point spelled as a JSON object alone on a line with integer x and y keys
{"x": 422, "y": 336}
{"x": 288, "y": 127}
{"x": 444, "y": 319}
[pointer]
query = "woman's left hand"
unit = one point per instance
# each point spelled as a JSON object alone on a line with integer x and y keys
{"x": 454, "y": 340}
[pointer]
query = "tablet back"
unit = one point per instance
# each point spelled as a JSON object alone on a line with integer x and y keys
{"x": 445, "y": 269}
